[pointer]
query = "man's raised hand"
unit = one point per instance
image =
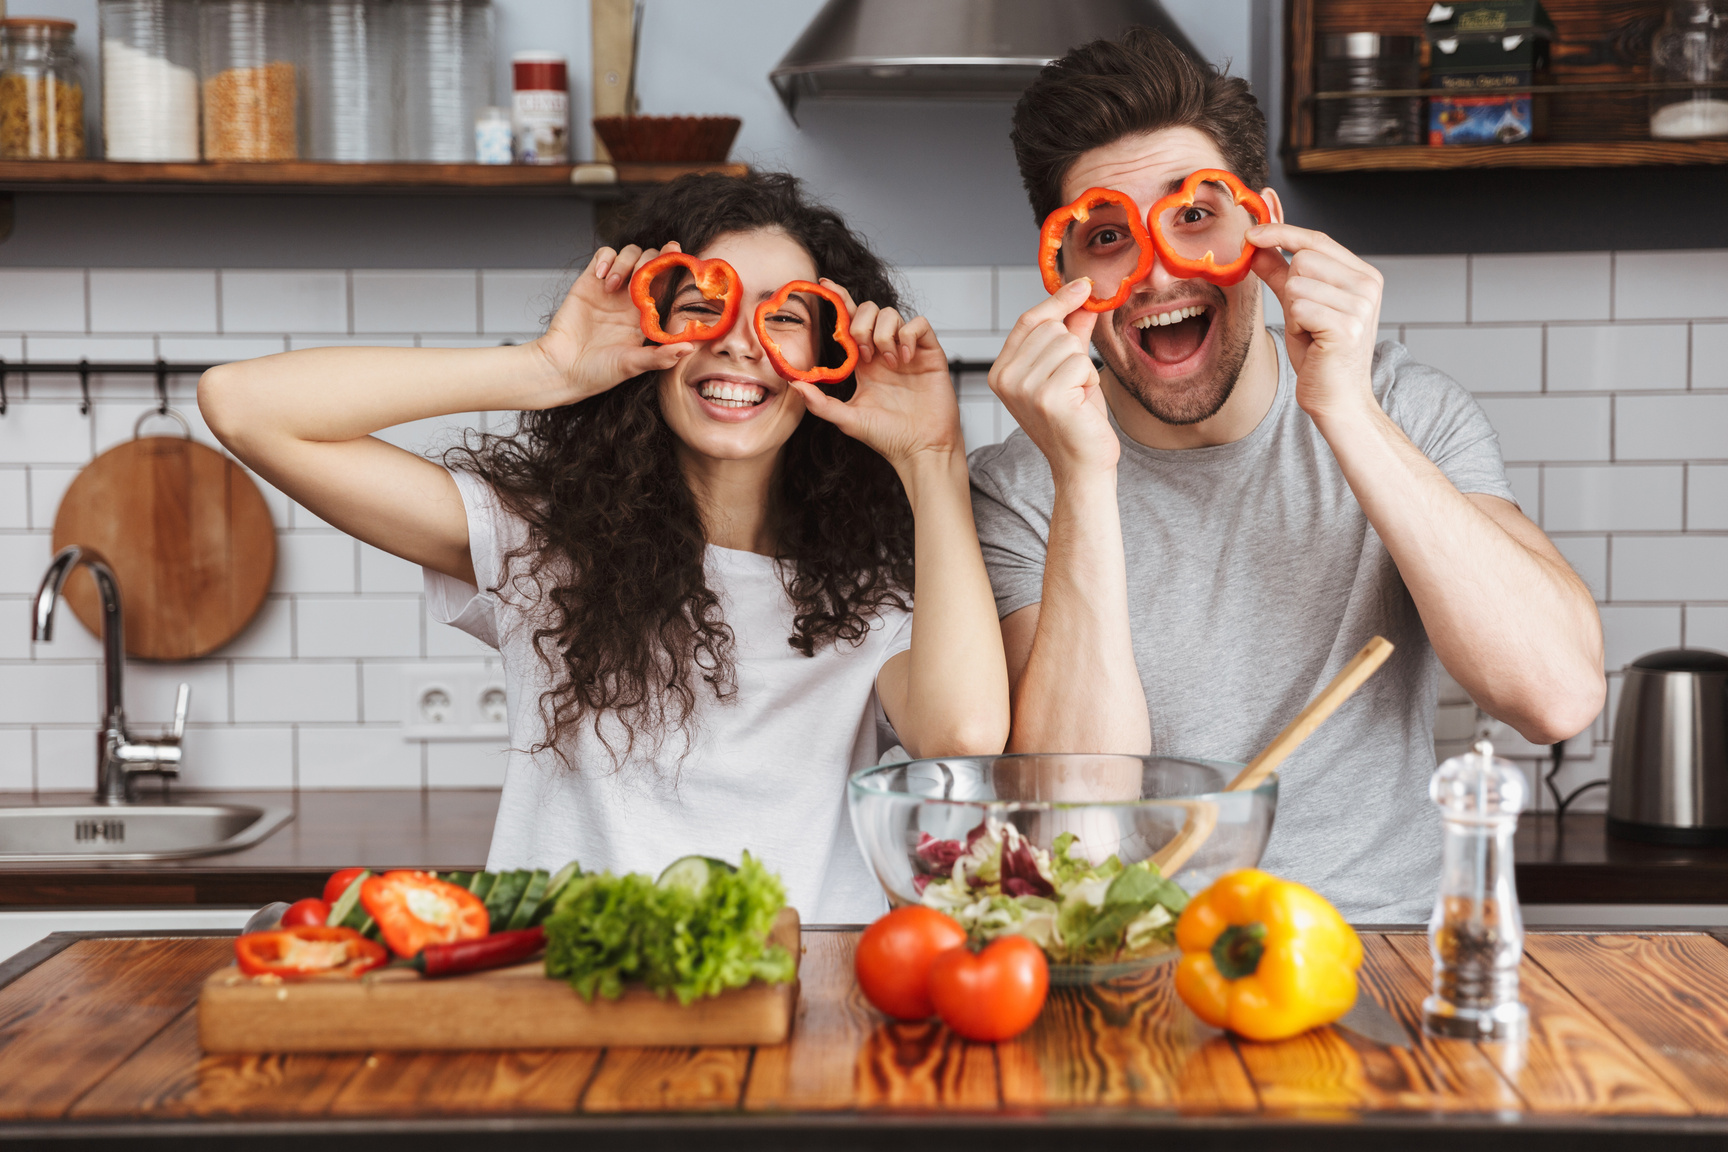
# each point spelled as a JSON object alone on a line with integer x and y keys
{"x": 1331, "y": 300}
{"x": 1045, "y": 377}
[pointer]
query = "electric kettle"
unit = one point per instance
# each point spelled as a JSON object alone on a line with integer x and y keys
{"x": 1668, "y": 779}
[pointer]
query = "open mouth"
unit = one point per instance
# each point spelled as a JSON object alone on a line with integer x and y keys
{"x": 1175, "y": 336}
{"x": 730, "y": 394}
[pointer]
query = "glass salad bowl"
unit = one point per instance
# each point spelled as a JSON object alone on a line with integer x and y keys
{"x": 1063, "y": 849}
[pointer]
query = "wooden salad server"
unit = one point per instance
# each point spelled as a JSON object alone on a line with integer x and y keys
{"x": 1203, "y": 814}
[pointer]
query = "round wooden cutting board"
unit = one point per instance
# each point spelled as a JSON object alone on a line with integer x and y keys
{"x": 189, "y": 538}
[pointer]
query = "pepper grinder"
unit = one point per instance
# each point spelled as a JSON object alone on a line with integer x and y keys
{"x": 1476, "y": 932}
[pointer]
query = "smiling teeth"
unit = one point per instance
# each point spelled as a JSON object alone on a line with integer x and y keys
{"x": 1162, "y": 318}
{"x": 729, "y": 395}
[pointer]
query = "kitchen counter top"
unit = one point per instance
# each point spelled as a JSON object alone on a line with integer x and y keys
{"x": 1575, "y": 861}
{"x": 1626, "y": 1045}
{"x": 445, "y": 830}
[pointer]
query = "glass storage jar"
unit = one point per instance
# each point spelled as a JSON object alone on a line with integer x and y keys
{"x": 445, "y": 77}
{"x": 41, "y": 93}
{"x": 1691, "y": 47}
{"x": 348, "y": 53}
{"x": 251, "y": 79}
{"x": 149, "y": 79}
{"x": 1366, "y": 62}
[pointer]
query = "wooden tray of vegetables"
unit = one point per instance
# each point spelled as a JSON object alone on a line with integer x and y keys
{"x": 704, "y": 954}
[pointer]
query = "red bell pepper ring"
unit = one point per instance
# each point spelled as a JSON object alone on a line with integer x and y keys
{"x": 1056, "y": 225}
{"x": 716, "y": 279}
{"x": 307, "y": 950}
{"x": 1206, "y": 267}
{"x": 842, "y": 335}
{"x": 414, "y": 909}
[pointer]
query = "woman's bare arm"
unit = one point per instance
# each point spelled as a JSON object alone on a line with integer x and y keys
{"x": 304, "y": 420}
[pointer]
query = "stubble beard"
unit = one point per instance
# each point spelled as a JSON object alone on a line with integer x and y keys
{"x": 1204, "y": 394}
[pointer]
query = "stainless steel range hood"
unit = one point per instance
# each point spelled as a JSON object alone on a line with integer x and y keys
{"x": 955, "y": 49}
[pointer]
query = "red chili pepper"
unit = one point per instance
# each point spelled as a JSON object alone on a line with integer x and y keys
{"x": 842, "y": 324}
{"x": 1056, "y": 225}
{"x": 1206, "y": 268}
{"x": 498, "y": 950}
{"x": 414, "y": 909}
{"x": 716, "y": 279}
{"x": 307, "y": 950}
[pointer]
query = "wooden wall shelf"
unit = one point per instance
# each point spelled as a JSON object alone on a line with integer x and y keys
{"x": 591, "y": 181}
{"x": 1601, "y": 49}
{"x": 1420, "y": 157}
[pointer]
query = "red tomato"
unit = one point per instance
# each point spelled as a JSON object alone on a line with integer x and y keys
{"x": 994, "y": 994}
{"x": 338, "y": 884}
{"x": 894, "y": 955}
{"x": 311, "y": 911}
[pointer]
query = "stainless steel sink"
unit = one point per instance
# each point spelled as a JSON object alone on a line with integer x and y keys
{"x": 134, "y": 831}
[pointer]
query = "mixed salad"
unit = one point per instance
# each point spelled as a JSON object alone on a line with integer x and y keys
{"x": 998, "y": 883}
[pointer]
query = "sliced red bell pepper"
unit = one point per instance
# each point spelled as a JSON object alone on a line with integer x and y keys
{"x": 307, "y": 950}
{"x": 716, "y": 279}
{"x": 414, "y": 909}
{"x": 842, "y": 334}
{"x": 1206, "y": 267}
{"x": 1056, "y": 226}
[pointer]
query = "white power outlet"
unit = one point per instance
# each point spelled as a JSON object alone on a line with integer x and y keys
{"x": 455, "y": 702}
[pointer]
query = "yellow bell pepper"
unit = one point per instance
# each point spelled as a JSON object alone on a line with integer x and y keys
{"x": 1265, "y": 958}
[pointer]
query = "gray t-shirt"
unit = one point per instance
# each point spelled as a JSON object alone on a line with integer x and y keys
{"x": 1253, "y": 576}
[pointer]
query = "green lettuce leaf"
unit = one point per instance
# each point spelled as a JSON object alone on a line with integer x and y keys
{"x": 608, "y": 931}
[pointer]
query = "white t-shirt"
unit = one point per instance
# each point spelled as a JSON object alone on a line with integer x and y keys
{"x": 765, "y": 771}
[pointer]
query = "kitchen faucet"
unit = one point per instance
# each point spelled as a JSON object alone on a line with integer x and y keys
{"x": 119, "y": 757}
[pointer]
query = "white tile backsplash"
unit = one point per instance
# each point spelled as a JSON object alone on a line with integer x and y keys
{"x": 300, "y": 692}
{"x": 1634, "y": 498}
{"x": 357, "y": 758}
{"x": 954, "y": 298}
{"x": 416, "y": 301}
{"x": 1424, "y": 289}
{"x": 1671, "y": 427}
{"x": 1661, "y": 285}
{"x": 152, "y": 300}
{"x": 369, "y": 626}
{"x": 281, "y": 300}
{"x": 1611, "y": 357}
{"x": 1482, "y": 359}
{"x": 1547, "y": 286}
{"x": 1550, "y": 427}
{"x": 1629, "y": 631}
{"x": 1606, "y": 378}
{"x": 521, "y": 300}
{"x": 42, "y": 300}
{"x": 1707, "y": 497}
{"x": 1670, "y": 568}
{"x": 1018, "y": 291}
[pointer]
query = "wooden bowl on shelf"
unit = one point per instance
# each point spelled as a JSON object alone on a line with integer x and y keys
{"x": 668, "y": 139}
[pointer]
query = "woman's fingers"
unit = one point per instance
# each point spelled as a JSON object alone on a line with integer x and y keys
{"x": 862, "y": 328}
{"x": 824, "y": 405}
{"x": 886, "y": 332}
{"x": 651, "y": 358}
{"x": 915, "y": 334}
{"x": 602, "y": 262}
{"x": 622, "y": 267}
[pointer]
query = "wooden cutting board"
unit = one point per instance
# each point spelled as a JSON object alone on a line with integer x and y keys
{"x": 399, "y": 1010}
{"x": 189, "y": 538}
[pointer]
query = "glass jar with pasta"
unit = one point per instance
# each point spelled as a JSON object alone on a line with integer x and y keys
{"x": 41, "y": 92}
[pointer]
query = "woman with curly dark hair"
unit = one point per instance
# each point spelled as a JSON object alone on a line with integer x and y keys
{"x": 701, "y": 576}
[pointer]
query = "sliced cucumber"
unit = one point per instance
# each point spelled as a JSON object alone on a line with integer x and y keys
{"x": 482, "y": 883}
{"x": 505, "y": 895}
{"x": 691, "y": 873}
{"x": 554, "y": 888}
{"x": 460, "y": 879}
{"x": 531, "y": 896}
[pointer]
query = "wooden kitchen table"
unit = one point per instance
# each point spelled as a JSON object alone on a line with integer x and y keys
{"x": 1628, "y": 1044}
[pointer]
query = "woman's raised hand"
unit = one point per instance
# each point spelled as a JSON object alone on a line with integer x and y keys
{"x": 905, "y": 402}
{"x": 594, "y": 341}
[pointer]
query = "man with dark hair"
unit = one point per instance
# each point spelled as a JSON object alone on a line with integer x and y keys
{"x": 1189, "y": 542}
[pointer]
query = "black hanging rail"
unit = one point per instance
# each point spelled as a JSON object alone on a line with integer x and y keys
{"x": 161, "y": 369}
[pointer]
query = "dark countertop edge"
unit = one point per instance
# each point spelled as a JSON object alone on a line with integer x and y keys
{"x": 905, "y": 1132}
